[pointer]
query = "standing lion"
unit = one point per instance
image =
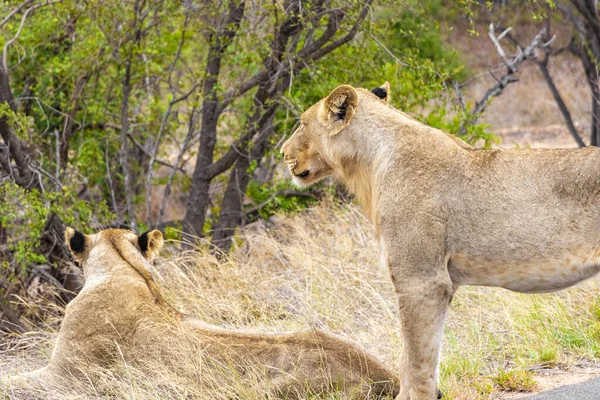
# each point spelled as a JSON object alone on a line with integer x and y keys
{"x": 448, "y": 215}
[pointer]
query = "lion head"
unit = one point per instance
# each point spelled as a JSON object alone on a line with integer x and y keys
{"x": 119, "y": 243}
{"x": 309, "y": 152}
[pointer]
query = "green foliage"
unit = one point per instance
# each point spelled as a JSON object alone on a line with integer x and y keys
{"x": 516, "y": 380}
{"x": 404, "y": 46}
{"x": 173, "y": 233}
{"x": 73, "y": 44}
{"x": 17, "y": 121}
{"x": 26, "y": 212}
{"x": 473, "y": 133}
{"x": 281, "y": 196}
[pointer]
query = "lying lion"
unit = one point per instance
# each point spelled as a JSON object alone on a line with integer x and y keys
{"x": 120, "y": 313}
{"x": 448, "y": 215}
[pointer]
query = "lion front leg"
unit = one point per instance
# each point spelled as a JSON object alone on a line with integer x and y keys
{"x": 423, "y": 310}
{"x": 416, "y": 257}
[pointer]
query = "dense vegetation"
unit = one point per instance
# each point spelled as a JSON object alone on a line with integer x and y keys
{"x": 112, "y": 111}
{"x": 160, "y": 113}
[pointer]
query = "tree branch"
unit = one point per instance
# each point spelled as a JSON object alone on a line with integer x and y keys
{"x": 335, "y": 17}
{"x": 164, "y": 122}
{"x": 311, "y": 53}
{"x": 148, "y": 154}
{"x": 11, "y": 41}
{"x": 234, "y": 151}
{"x": 13, "y": 12}
{"x": 543, "y": 65}
{"x": 184, "y": 147}
{"x": 344, "y": 39}
{"x": 245, "y": 86}
{"x": 512, "y": 67}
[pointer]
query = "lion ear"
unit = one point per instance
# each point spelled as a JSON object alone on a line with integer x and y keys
{"x": 77, "y": 242}
{"x": 383, "y": 92}
{"x": 338, "y": 109}
{"x": 150, "y": 243}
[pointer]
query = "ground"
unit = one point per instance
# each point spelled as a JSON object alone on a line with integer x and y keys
{"x": 550, "y": 379}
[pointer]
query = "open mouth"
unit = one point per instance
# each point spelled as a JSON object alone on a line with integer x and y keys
{"x": 302, "y": 174}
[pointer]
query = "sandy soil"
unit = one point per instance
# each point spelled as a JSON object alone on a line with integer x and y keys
{"x": 549, "y": 379}
{"x": 547, "y": 137}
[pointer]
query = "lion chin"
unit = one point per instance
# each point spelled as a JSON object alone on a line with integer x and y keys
{"x": 448, "y": 215}
{"x": 303, "y": 182}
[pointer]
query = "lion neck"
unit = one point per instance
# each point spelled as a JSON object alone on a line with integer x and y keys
{"x": 119, "y": 259}
{"x": 366, "y": 152}
{"x": 360, "y": 158}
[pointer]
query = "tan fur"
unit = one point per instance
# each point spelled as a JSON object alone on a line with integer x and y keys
{"x": 121, "y": 313}
{"x": 449, "y": 215}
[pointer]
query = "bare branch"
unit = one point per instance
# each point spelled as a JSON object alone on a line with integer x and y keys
{"x": 496, "y": 41}
{"x": 11, "y": 41}
{"x": 492, "y": 92}
{"x": 528, "y": 53}
{"x": 163, "y": 123}
{"x": 459, "y": 95}
{"x": 512, "y": 67}
{"x": 387, "y": 50}
{"x": 344, "y": 39}
{"x": 13, "y": 12}
{"x": 147, "y": 153}
{"x": 335, "y": 17}
{"x": 109, "y": 177}
{"x": 184, "y": 148}
{"x": 123, "y": 153}
{"x": 543, "y": 65}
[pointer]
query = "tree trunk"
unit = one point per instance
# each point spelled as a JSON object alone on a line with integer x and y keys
{"x": 543, "y": 64}
{"x": 232, "y": 213}
{"x": 588, "y": 59}
{"x": 588, "y": 51}
{"x": 198, "y": 202}
{"x": 123, "y": 151}
{"x": 595, "y": 128}
{"x": 68, "y": 124}
{"x": 199, "y": 198}
{"x": 278, "y": 80}
{"x": 51, "y": 241}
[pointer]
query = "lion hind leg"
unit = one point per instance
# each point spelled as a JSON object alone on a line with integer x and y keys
{"x": 347, "y": 366}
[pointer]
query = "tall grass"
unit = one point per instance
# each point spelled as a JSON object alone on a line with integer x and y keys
{"x": 320, "y": 269}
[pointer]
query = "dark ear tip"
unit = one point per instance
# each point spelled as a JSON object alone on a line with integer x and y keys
{"x": 379, "y": 92}
{"x": 77, "y": 242}
{"x": 143, "y": 242}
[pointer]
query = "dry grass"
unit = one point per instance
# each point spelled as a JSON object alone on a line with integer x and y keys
{"x": 320, "y": 269}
